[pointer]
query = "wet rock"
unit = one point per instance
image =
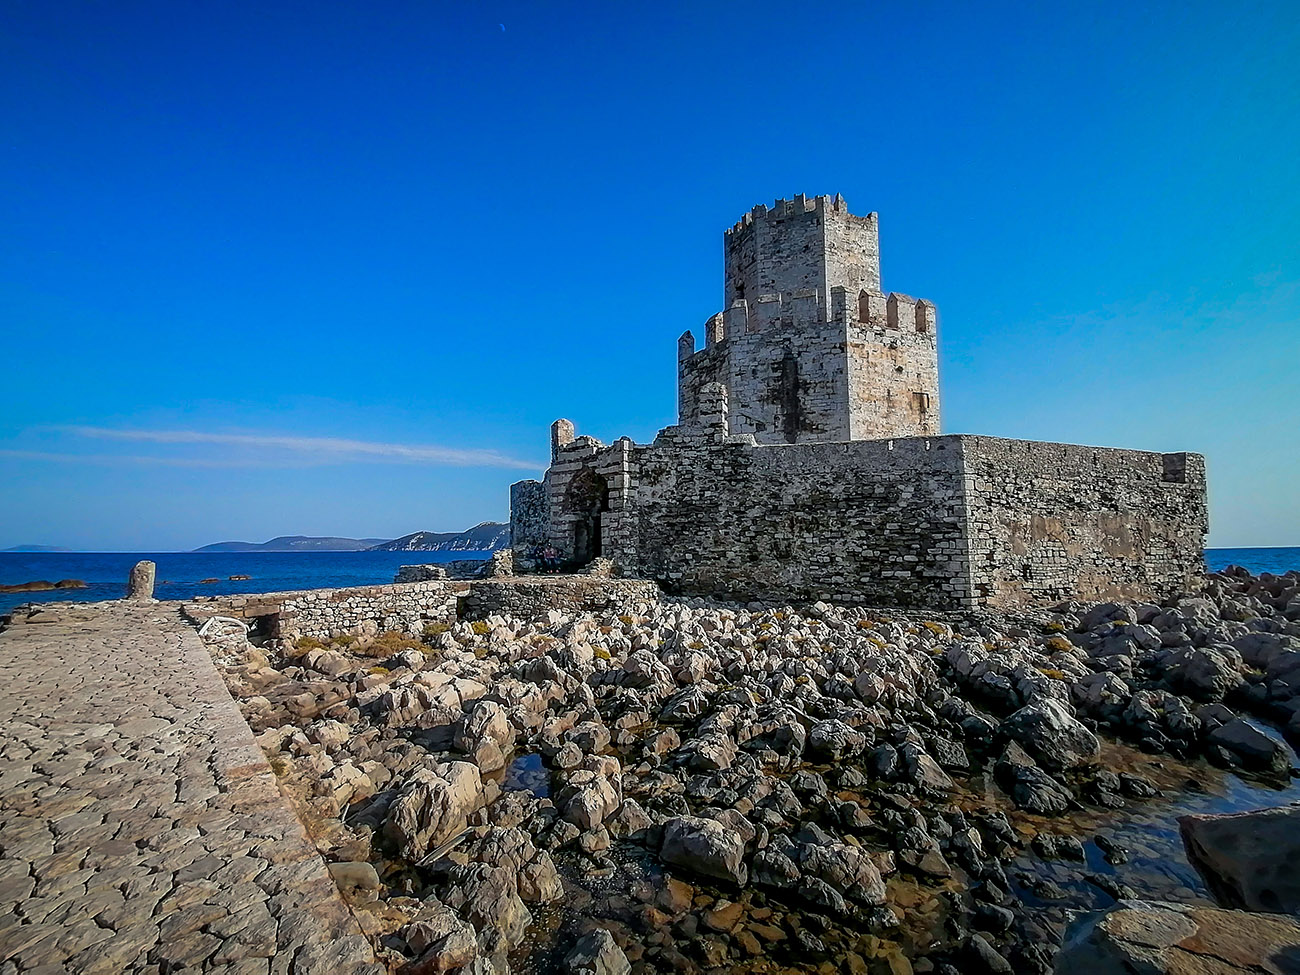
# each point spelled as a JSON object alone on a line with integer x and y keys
{"x": 1157, "y": 938}
{"x": 487, "y": 897}
{"x": 440, "y": 939}
{"x": 981, "y": 957}
{"x": 588, "y": 799}
{"x": 1029, "y": 787}
{"x": 597, "y": 953}
{"x": 485, "y": 734}
{"x": 706, "y": 847}
{"x": 1057, "y": 847}
{"x": 1255, "y": 750}
{"x": 1248, "y": 860}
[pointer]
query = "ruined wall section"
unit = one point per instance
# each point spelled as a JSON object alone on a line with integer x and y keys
{"x": 866, "y": 522}
{"x": 1051, "y": 521}
{"x": 529, "y": 515}
{"x": 588, "y": 480}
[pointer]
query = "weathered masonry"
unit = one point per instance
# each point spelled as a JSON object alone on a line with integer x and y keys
{"x": 835, "y": 484}
{"x": 809, "y": 348}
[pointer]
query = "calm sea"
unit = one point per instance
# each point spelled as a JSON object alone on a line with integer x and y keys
{"x": 180, "y": 574}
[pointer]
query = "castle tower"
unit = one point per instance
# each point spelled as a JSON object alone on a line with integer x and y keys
{"x": 809, "y": 348}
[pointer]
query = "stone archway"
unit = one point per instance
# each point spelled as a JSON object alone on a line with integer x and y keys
{"x": 585, "y": 502}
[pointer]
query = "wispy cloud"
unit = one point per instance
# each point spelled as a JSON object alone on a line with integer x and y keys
{"x": 311, "y": 449}
{"x": 57, "y": 458}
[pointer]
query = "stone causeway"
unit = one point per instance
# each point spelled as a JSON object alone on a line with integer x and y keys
{"x": 141, "y": 828}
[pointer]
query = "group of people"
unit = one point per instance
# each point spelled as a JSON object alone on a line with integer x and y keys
{"x": 547, "y": 557}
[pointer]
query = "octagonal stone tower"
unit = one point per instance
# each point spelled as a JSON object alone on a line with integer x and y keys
{"x": 809, "y": 348}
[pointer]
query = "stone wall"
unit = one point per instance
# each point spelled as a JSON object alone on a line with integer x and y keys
{"x": 1052, "y": 521}
{"x": 407, "y": 607}
{"x": 934, "y": 522}
{"x": 532, "y": 598}
{"x": 862, "y": 522}
{"x": 528, "y": 526}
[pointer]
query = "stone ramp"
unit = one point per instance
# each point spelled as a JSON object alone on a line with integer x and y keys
{"x": 141, "y": 829}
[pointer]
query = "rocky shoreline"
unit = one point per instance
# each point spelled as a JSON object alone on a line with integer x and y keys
{"x": 686, "y": 786}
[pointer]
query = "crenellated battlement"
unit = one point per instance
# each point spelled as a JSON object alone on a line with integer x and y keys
{"x": 797, "y": 205}
{"x": 808, "y": 344}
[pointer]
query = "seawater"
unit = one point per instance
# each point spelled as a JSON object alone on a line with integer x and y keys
{"x": 180, "y": 574}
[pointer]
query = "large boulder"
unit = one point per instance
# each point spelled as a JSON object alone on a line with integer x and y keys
{"x": 1256, "y": 750}
{"x": 1154, "y": 938}
{"x": 705, "y": 846}
{"x": 434, "y": 806}
{"x": 1052, "y": 735}
{"x": 1248, "y": 860}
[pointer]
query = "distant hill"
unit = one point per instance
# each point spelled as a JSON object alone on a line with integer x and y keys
{"x": 35, "y": 548}
{"x": 296, "y": 543}
{"x": 487, "y": 537}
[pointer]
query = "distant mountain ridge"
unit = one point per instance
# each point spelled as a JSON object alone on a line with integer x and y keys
{"x": 296, "y": 543}
{"x": 489, "y": 536}
{"x": 36, "y": 548}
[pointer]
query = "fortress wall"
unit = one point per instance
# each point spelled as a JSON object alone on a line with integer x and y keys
{"x": 863, "y": 522}
{"x": 1051, "y": 521}
{"x": 893, "y": 377}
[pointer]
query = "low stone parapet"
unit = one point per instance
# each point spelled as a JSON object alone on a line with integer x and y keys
{"x": 409, "y": 607}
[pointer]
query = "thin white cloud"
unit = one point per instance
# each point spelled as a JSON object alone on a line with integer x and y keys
{"x": 318, "y": 449}
{"x": 57, "y": 458}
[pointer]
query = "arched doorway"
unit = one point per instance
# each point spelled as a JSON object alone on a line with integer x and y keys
{"x": 586, "y": 500}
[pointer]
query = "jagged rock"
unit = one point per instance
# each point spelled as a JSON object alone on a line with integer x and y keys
{"x": 1156, "y": 938}
{"x": 705, "y": 846}
{"x": 1205, "y": 673}
{"x": 434, "y": 806}
{"x": 441, "y": 940}
{"x": 1052, "y": 735}
{"x": 485, "y": 734}
{"x": 835, "y": 740}
{"x": 588, "y": 799}
{"x": 1248, "y": 860}
{"x": 847, "y": 869}
{"x": 487, "y": 897}
{"x": 1029, "y": 787}
{"x": 597, "y": 953}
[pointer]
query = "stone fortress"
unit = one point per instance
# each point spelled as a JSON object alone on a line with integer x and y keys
{"x": 807, "y": 461}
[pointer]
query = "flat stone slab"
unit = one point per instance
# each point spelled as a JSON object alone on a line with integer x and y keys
{"x": 141, "y": 829}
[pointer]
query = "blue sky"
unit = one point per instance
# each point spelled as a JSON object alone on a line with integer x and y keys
{"x": 333, "y": 268}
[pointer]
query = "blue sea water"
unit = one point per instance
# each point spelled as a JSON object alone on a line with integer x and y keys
{"x": 180, "y": 574}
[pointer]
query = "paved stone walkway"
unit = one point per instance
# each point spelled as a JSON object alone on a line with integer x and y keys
{"x": 141, "y": 829}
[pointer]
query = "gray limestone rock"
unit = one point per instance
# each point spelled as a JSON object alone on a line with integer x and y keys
{"x": 705, "y": 846}
{"x": 1052, "y": 735}
{"x": 597, "y": 953}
